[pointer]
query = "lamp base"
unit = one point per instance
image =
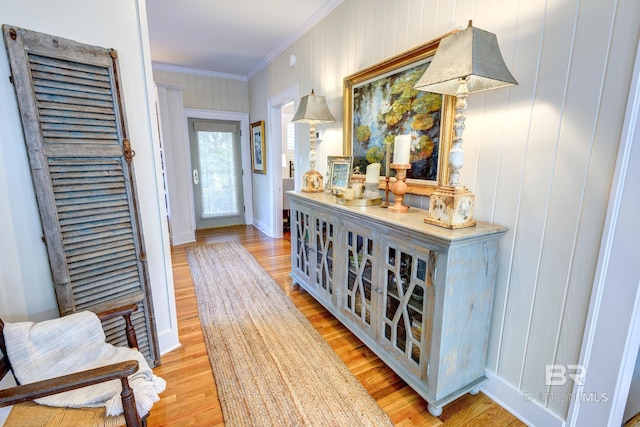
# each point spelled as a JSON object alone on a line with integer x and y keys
{"x": 312, "y": 182}
{"x": 451, "y": 207}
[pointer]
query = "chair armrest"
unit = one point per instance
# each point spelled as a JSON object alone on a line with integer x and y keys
{"x": 36, "y": 390}
{"x": 125, "y": 311}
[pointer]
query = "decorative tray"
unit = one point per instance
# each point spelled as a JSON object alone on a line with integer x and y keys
{"x": 358, "y": 202}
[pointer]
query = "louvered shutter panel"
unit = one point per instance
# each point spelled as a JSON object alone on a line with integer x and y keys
{"x": 75, "y": 130}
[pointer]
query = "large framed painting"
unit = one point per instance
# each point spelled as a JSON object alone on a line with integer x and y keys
{"x": 381, "y": 103}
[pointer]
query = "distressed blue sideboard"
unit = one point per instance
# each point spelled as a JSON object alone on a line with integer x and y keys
{"x": 418, "y": 295}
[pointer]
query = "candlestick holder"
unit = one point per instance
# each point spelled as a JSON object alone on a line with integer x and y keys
{"x": 399, "y": 188}
{"x": 385, "y": 204}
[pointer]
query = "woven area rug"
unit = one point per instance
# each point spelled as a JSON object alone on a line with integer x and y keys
{"x": 271, "y": 367}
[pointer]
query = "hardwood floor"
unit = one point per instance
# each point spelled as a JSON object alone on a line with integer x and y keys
{"x": 191, "y": 397}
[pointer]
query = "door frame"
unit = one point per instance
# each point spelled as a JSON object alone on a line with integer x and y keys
{"x": 247, "y": 188}
{"x": 612, "y": 332}
{"x": 275, "y": 104}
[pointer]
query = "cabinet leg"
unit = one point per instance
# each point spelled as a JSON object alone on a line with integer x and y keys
{"x": 436, "y": 411}
{"x": 474, "y": 390}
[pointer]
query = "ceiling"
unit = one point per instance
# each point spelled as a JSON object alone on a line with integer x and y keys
{"x": 233, "y": 37}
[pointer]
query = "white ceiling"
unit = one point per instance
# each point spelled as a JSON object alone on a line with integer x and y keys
{"x": 235, "y": 37}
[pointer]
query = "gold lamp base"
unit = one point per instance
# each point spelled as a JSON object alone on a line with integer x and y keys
{"x": 451, "y": 207}
{"x": 312, "y": 182}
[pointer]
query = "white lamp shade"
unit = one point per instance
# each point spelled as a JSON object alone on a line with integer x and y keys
{"x": 471, "y": 53}
{"x": 313, "y": 108}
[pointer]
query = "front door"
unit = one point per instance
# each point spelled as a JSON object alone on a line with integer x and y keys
{"x": 216, "y": 173}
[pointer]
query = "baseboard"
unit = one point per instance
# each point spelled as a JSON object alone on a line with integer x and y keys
{"x": 182, "y": 238}
{"x": 263, "y": 227}
{"x": 168, "y": 341}
{"x": 517, "y": 403}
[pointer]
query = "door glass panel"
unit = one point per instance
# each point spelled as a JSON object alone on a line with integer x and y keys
{"x": 217, "y": 173}
{"x": 217, "y": 176}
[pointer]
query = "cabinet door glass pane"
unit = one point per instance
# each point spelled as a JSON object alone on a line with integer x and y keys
{"x": 359, "y": 276}
{"x": 324, "y": 256}
{"x": 408, "y": 304}
{"x": 301, "y": 236}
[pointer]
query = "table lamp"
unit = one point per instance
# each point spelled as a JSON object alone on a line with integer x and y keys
{"x": 313, "y": 109}
{"x": 465, "y": 62}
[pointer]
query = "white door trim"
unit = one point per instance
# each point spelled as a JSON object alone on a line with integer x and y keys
{"x": 275, "y": 104}
{"x": 612, "y": 332}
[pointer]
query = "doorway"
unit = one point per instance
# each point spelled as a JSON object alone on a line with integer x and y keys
{"x": 216, "y": 162}
{"x": 280, "y": 106}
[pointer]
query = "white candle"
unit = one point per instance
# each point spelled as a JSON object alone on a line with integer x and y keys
{"x": 373, "y": 172}
{"x": 401, "y": 150}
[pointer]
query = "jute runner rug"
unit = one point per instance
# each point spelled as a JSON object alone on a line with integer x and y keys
{"x": 271, "y": 367}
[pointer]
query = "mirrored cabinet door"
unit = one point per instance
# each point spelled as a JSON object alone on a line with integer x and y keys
{"x": 358, "y": 292}
{"x": 407, "y": 304}
{"x": 301, "y": 239}
{"x": 325, "y": 238}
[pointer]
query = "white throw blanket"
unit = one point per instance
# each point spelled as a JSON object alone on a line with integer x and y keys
{"x": 73, "y": 343}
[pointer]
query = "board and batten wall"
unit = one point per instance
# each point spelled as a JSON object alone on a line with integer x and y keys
{"x": 539, "y": 156}
{"x": 205, "y": 91}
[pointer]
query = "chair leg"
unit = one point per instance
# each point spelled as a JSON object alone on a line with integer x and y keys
{"x": 129, "y": 405}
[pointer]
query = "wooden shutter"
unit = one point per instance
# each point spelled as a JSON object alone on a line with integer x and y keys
{"x": 75, "y": 130}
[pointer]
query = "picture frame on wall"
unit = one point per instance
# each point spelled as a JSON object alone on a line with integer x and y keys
{"x": 258, "y": 148}
{"x": 381, "y": 103}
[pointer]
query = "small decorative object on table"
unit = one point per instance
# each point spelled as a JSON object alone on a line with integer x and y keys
{"x": 356, "y": 195}
{"x": 400, "y": 164}
{"x": 357, "y": 182}
{"x": 372, "y": 181}
{"x": 399, "y": 188}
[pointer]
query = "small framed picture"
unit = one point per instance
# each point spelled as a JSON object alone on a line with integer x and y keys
{"x": 258, "y": 149}
{"x": 339, "y": 172}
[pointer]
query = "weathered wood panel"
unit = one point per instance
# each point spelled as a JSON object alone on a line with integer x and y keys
{"x": 75, "y": 131}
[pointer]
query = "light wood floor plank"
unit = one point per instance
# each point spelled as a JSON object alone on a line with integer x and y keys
{"x": 191, "y": 396}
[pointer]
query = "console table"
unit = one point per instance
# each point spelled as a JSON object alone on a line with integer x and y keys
{"x": 417, "y": 295}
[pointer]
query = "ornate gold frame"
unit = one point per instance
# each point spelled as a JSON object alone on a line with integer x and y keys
{"x": 382, "y": 70}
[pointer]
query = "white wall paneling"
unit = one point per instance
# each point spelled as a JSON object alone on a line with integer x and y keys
{"x": 25, "y": 281}
{"x": 275, "y": 155}
{"x": 177, "y": 160}
{"x": 203, "y": 92}
{"x": 612, "y": 334}
{"x": 539, "y": 156}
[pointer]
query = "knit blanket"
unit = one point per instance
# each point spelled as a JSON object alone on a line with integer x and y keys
{"x": 74, "y": 343}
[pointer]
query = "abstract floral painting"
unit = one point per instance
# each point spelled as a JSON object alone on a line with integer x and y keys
{"x": 387, "y": 106}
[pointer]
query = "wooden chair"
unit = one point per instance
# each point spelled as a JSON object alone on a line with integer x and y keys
{"x": 26, "y": 412}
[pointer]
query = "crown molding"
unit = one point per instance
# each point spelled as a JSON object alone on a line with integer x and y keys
{"x": 185, "y": 70}
{"x": 308, "y": 24}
